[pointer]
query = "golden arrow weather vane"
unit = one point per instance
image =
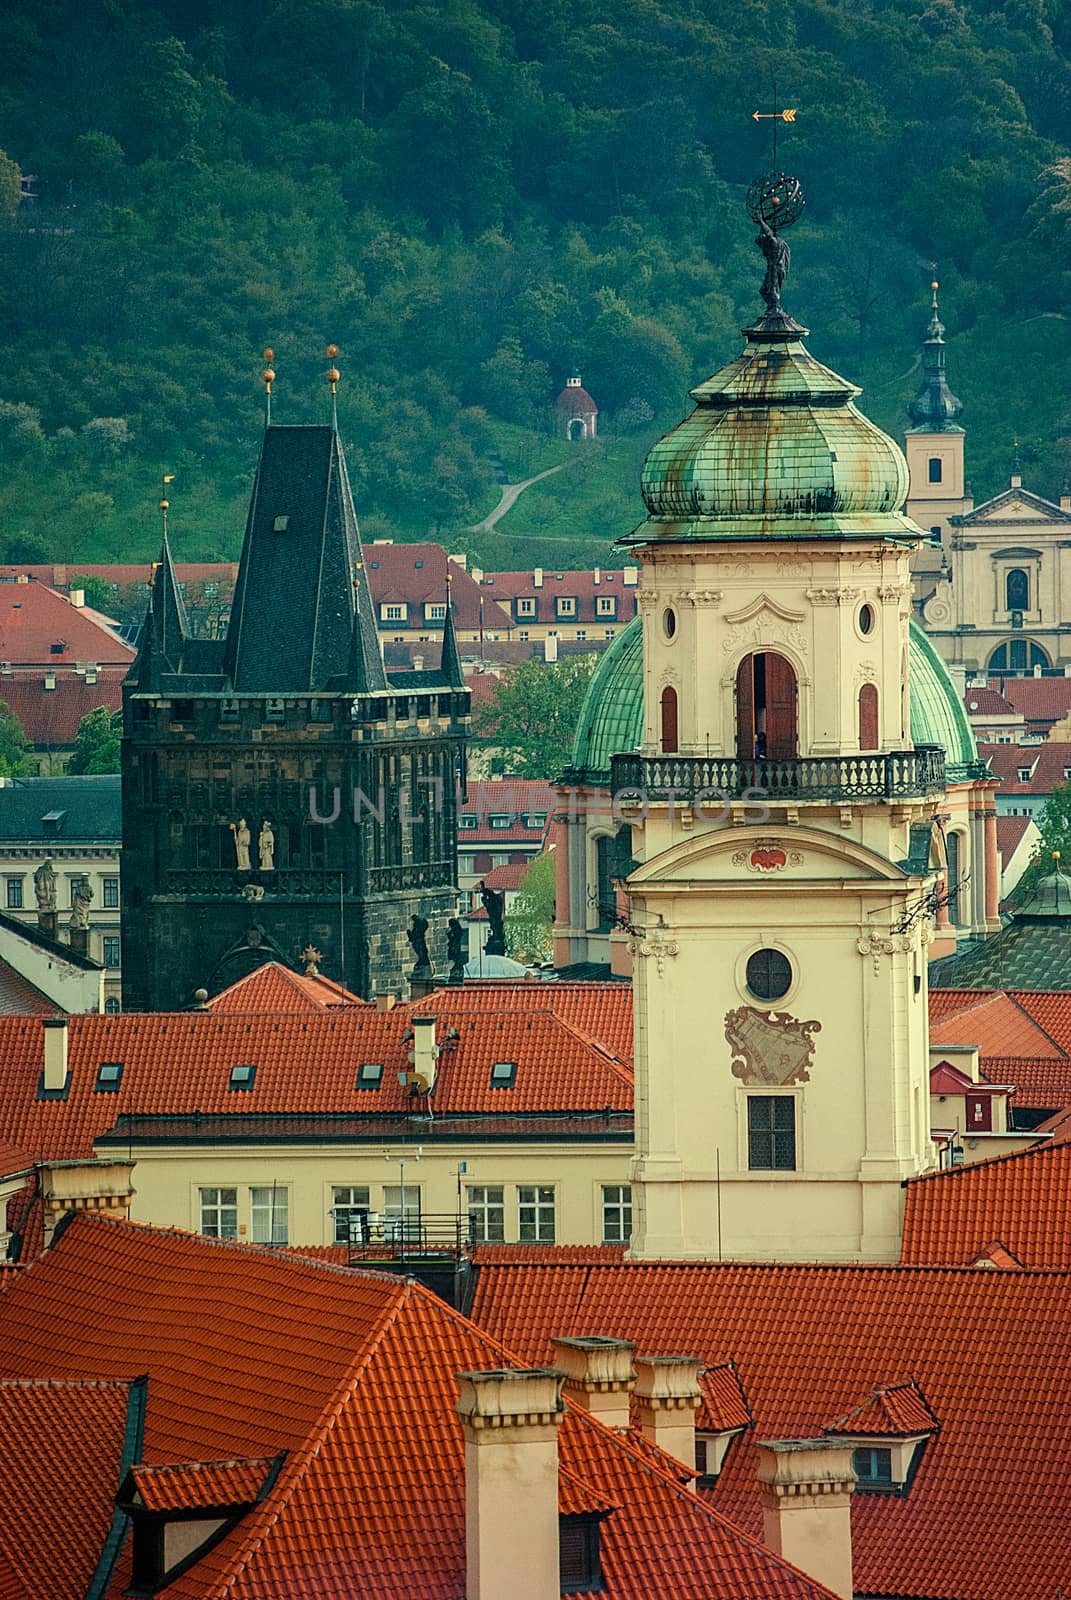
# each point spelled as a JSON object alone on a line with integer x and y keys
{"x": 788, "y": 115}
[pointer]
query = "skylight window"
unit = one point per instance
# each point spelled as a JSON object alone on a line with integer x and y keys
{"x": 243, "y": 1077}
{"x": 369, "y": 1074}
{"x": 503, "y": 1074}
{"x": 280, "y": 525}
{"x": 109, "y": 1076}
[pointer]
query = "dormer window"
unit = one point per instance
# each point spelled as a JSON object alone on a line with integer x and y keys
{"x": 525, "y": 607}
{"x": 109, "y": 1077}
{"x": 872, "y": 1465}
{"x": 1024, "y": 774}
{"x": 503, "y": 1074}
{"x": 888, "y": 1434}
{"x": 565, "y": 605}
{"x": 369, "y": 1074}
{"x": 498, "y": 820}
{"x": 243, "y": 1076}
{"x": 280, "y": 524}
{"x": 579, "y": 1561}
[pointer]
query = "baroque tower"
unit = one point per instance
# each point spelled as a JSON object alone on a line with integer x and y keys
{"x": 935, "y": 440}
{"x": 783, "y": 822}
{"x": 279, "y": 790}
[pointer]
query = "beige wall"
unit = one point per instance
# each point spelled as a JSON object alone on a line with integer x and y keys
{"x": 168, "y": 1182}
{"x": 70, "y": 861}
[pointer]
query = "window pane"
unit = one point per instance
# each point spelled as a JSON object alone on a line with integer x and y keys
{"x": 771, "y": 1133}
{"x": 111, "y": 894}
{"x": 487, "y": 1214}
{"x": 769, "y": 975}
{"x": 535, "y": 1214}
{"x": 616, "y": 1213}
{"x": 349, "y": 1207}
{"x": 219, "y": 1213}
{"x": 268, "y": 1213}
{"x": 14, "y": 894}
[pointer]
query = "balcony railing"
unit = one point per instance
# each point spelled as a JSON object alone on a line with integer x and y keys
{"x": 372, "y": 1237}
{"x": 214, "y": 883}
{"x": 709, "y": 779}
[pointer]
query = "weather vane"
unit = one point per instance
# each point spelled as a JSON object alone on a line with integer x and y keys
{"x": 774, "y": 202}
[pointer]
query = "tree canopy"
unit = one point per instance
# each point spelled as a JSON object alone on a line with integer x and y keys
{"x": 529, "y": 923}
{"x": 14, "y": 747}
{"x": 530, "y": 720}
{"x": 96, "y": 744}
{"x": 472, "y": 197}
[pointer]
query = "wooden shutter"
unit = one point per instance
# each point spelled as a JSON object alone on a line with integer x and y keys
{"x": 868, "y": 717}
{"x": 781, "y": 735}
{"x": 669, "y": 722}
{"x": 745, "y": 709}
{"x": 979, "y": 1114}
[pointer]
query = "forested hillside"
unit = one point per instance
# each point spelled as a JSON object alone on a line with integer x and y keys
{"x": 469, "y": 197}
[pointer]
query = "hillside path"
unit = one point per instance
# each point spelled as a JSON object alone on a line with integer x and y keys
{"x": 510, "y": 494}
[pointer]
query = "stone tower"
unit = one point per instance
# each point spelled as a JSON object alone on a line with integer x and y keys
{"x": 783, "y": 822}
{"x": 279, "y": 790}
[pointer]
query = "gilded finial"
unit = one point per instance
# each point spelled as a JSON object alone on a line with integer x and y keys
{"x": 268, "y": 376}
{"x": 165, "y": 504}
{"x": 311, "y": 957}
{"x": 332, "y": 376}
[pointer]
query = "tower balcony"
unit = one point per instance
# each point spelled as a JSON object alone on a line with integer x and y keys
{"x": 710, "y": 780}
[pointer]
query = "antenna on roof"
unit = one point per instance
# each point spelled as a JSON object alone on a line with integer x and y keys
{"x": 268, "y": 376}
{"x": 332, "y": 378}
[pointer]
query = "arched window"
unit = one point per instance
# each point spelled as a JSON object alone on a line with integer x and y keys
{"x": 936, "y": 469}
{"x": 868, "y": 717}
{"x": 1018, "y": 655}
{"x": 1016, "y": 590}
{"x": 766, "y": 708}
{"x": 669, "y": 722}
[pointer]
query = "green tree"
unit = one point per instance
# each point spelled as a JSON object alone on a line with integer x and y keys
{"x": 533, "y": 715}
{"x": 530, "y": 923}
{"x": 99, "y": 594}
{"x": 96, "y": 744}
{"x": 1054, "y": 825}
{"x": 14, "y": 746}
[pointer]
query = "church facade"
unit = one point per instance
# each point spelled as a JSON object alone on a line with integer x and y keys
{"x": 280, "y": 792}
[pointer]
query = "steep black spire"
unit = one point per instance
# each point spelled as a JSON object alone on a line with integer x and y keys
{"x": 450, "y": 659}
{"x": 934, "y": 408}
{"x": 302, "y": 618}
{"x": 166, "y": 628}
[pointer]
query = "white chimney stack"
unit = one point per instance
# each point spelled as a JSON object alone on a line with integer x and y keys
{"x": 550, "y": 648}
{"x": 598, "y": 1376}
{"x": 78, "y": 598}
{"x": 597, "y": 575}
{"x": 55, "y": 1067}
{"x": 425, "y": 1053}
{"x": 537, "y": 578}
{"x": 510, "y": 1422}
{"x": 667, "y": 1398}
{"x": 806, "y": 1489}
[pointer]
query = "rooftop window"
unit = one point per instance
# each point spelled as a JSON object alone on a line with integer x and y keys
{"x": 873, "y": 1467}
{"x": 243, "y": 1076}
{"x": 498, "y": 820}
{"x": 369, "y": 1074}
{"x": 280, "y": 524}
{"x": 578, "y": 1554}
{"x": 503, "y": 1074}
{"x": 467, "y": 819}
{"x": 109, "y": 1076}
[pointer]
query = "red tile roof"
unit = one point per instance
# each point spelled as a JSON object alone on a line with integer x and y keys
{"x": 1010, "y": 832}
{"x": 1023, "y": 1200}
{"x": 1025, "y": 1037}
{"x": 416, "y": 574}
{"x": 354, "y": 1374}
{"x": 1000, "y": 1024}
{"x": 986, "y": 702}
{"x": 34, "y": 618}
{"x": 898, "y": 1411}
{"x": 1040, "y": 700}
{"x": 515, "y": 798}
{"x": 599, "y": 1011}
{"x": 508, "y": 877}
{"x": 201, "y": 1485}
{"x": 65, "y": 575}
{"x": 1047, "y": 763}
{"x": 178, "y": 1064}
{"x": 581, "y": 585}
{"x": 724, "y": 1405}
{"x": 990, "y": 1351}
{"x": 20, "y": 997}
{"x": 50, "y": 717}
{"x": 574, "y": 397}
{"x": 61, "y": 1454}
{"x": 274, "y": 987}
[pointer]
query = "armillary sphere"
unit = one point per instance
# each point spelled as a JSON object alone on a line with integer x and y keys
{"x": 775, "y": 199}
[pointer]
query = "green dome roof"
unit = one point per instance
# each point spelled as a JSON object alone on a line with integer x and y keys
{"x": 611, "y": 721}
{"x": 775, "y": 449}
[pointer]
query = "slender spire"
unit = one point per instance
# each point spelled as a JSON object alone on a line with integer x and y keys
{"x": 934, "y": 408}
{"x": 450, "y": 659}
{"x": 171, "y": 625}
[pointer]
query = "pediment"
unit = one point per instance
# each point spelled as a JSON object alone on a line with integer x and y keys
{"x": 1014, "y": 505}
{"x": 764, "y": 603}
{"x": 752, "y": 855}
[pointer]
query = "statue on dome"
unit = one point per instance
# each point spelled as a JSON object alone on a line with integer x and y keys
{"x": 494, "y": 903}
{"x": 774, "y": 203}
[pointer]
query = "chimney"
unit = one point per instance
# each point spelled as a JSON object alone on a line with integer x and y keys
{"x": 630, "y": 576}
{"x": 77, "y": 598}
{"x": 598, "y": 1376}
{"x": 806, "y": 1489}
{"x": 510, "y": 1423}
{"x": 418, "y": 663}
{"x": 460, "y": 559}
{"x": 667, "y": 1398}
{"x": 103, "y": 1187}
{"x": 537, "y": 578}
{"x": 425, "y": 1054}
{"x": 385, "y": 1001}
{"x": 55, "y": 1069}
{"x": 550, "y": 648}
{"x": 1016, "y": 480}
{"x": 597, "y": 575}
{"x": 1065, "y": 498}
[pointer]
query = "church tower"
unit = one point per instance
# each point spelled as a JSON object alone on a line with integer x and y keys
{"x": 279, "y": 790}
{"x": 783, "y": 822}
{"x": 935, "y": 440}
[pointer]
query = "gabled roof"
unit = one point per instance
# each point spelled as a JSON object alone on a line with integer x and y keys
{"x": 63, "y": 1448}
{"x": 416, "y": 574}
{"x": 989, "y": 1350}
{"x": 274, "y": 987}
{"x": 1038, "y": 699}
{"x": 1023, "y": 1200}
{"x": 897, "y": 1411}
{"x": 598, "y": 1011}
{"x": 35, "y": 619}
{"x": 999, "y": 1024}
{"x": 1047, "y": 763}
{"x": 50, "y": 717}
{"x": 985, "y": 702}
{"x": 353, "y": 1374}
{"x": 724, "y": 1406}
{"x": 1010, "y": 500}
{"x": 581, "y": 586}
{"x": 201, "y": 1485}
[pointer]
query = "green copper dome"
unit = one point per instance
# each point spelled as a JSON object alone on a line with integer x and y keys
{"x": 611, "y": 721}
{"x": 775, "y": 449}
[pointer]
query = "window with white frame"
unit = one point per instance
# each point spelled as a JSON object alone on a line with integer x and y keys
{"x": 606, "y": 605}
{"x": 435, "y": 611}
{"x": 399, "y": 1206}
{"x": 525, "y": 607}
{"x": 535, "y": 1213}
{"x": 393, "y": 613}
{"x": 487, "y": 1213}
{"x": 616, "y": 1213}
{"x": 349, "y": 1208}
{"x": 110, "y": 887}
{"x": 219, "y": 1213}
{"x": 268, "y": 1209}
{"x": 565, "y": 605}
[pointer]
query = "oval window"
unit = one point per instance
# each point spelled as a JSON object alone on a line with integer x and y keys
{"x": 866, "y": 619}
{"x": 769, "y": 974}
{"x": 669, "y": 622}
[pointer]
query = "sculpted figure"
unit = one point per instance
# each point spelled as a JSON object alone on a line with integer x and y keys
{"x": 266, "y": 848}
{"x": 495, "y": 905}
{"x": 240, "y": 833}
{"x": 418, "y": 938}
{"x": 455, "y": 950}
{"x": 44, "y": 886}
{"x": 778, "y": 259}
{"x": 82, "y": 899}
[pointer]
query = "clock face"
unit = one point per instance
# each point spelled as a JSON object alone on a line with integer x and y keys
{"x": 775, "y": 198}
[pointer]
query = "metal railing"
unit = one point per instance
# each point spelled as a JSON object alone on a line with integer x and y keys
{"x": 372, "y": 1237}
{"x": 898, "y": 774}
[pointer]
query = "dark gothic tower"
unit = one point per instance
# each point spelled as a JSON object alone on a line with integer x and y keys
{"x": 246, "y": 760}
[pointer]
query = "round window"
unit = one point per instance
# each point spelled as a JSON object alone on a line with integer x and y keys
{"x": 769, "y": 974}
{"x": 669, "y": 622}
{"x": 866, "y": 619}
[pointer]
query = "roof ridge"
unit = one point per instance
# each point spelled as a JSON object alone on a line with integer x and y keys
{"x": 613, "y": 1062}
{"x": 1041, "y": 1148}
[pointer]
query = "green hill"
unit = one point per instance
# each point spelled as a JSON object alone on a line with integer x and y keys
{"x": 470, "y": 197}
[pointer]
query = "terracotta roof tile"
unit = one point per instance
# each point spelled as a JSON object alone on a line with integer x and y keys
{"x": 416, "y": 574}
{"x": 1047, "y": 763}
{"x": 354, "y": 1373}
{"x": 274, "y": 987}
{"x": 19, "y": 997}
{"x": 1000, "y": 1024}
{"x": 201, "y": 1485}
{"x": 581, "y": 585}
{"x": 724, "y": 1402}
{"x": 50, "y": 717}
{"x": 515, "y": 798}
{"x": 599, "y": 1011}
{"x": 989, "y": 1350}
{"x": 1039, "y": 699}
{"x": 1022, "y": 1200}
{"x": 34, "y": 619}
{"x": 987, "y": 702}
{"x": 1010, "y": 832}
{"x": 898, "y": 1411}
